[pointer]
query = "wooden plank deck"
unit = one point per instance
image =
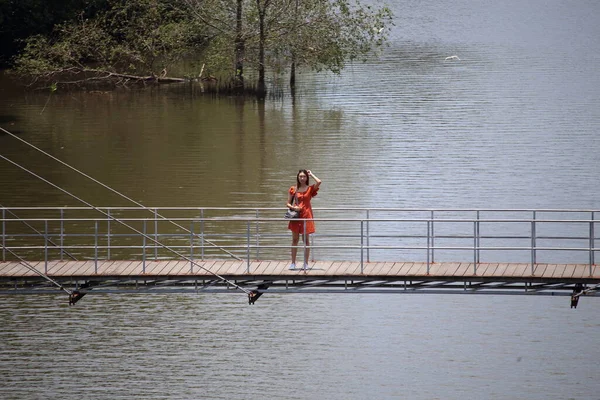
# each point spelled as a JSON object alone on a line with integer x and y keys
{"x": 264, "y": 269}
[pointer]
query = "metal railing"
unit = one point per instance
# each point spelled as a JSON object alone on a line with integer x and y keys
{"x": 365, "y": 234}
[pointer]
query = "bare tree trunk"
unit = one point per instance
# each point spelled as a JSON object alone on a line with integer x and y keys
{"x": 261, "y": 89}
{"x": 293, "y": 67}
{"x": 239, "y": 51}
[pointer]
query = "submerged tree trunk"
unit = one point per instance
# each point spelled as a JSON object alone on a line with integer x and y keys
{"x": 293, "y": 73}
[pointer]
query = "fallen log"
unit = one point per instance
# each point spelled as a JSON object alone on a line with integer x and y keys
{"x": 66, "y": 77}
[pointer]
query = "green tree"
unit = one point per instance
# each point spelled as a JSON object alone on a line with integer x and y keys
{"x": 224, "y": 22}
{"x": 140, "y": 39}
{"x": 327, "y": 35}
{"x": 277, "y": 34}
{"x": 132, "y": 40}
{"x": 20, "y": 19}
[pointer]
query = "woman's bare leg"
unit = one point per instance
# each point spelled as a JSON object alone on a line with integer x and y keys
{"x": 306, "y": 239}
{"x": 295, "y": 239}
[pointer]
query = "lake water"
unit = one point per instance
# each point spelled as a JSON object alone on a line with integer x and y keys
{"x": 513, "y": 124}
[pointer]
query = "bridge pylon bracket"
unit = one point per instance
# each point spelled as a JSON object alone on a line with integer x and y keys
{"x": 253, "y": 296}
{"x": 75, "y": 296}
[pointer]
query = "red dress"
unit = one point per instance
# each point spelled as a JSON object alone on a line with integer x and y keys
{"x": 305, "y": 210}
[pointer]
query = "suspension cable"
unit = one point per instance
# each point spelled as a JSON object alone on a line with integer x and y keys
{"x": 38, "y": 232}
{"x": 40, "y": 273}
{"x": 118, "y": 193}
{"x": 129, "y": 226}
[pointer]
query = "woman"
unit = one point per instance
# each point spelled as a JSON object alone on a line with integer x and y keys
{"x": 303, "y": 192}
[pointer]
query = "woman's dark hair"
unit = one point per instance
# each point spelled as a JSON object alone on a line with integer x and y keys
{"x": 298, "y": 178}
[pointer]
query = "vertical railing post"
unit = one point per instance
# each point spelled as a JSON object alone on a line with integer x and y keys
{"x": 533, "y": 244}
{"x": 144, "y": 247}
{"x": 248, "y": 246}
{"x": 368, "y": 239}
{"x": 156, "y": 234}
{"x": 46, "y": 246}
{"x": 478, "y": 243}
{"x": 474, "y": 247}
{"x": 192, "y": 246}
{"x": 202, "y": 234}
{"x": 305, "y": 239}
{"x": 62, "y": 232}
{"x": 257, "y": 235}
{"x": 592, "y": 244}
{"x": 96, "y": 246}
{"x": 432, "y": 237}
{"x": 108, "y": 235}
{"x": 429, "y": 222}
{"x": 362, "y": 246}
{"x": 313, "y": 244}
{"x": 3, "y": 234}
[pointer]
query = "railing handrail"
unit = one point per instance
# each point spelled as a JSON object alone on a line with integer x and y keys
{"x": 273, "y": 219}
{"x": 249, "y": 209}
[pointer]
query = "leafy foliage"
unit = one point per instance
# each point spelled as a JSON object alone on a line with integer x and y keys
{"x": 319, "y": 34}
{"x": 20, "y": 19}
{"x": 133, "y": 36}
{"x": 230, "y": 37}
{"x": 326, "y": 35}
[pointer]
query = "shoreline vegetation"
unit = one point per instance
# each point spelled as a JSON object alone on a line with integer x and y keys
{"x": 112, "y": 43}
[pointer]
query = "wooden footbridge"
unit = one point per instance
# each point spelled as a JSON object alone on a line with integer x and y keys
{"x": 321, "y": 276}
{"x": 124, "y": 250}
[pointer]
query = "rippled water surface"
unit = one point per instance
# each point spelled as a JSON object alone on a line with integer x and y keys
{"x": 513, "y": 124}
{"x": 299, "y": 347}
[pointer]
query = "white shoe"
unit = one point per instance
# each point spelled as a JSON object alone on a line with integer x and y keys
{"x": 305, "y": 266}
{"x": 293, "y": 266}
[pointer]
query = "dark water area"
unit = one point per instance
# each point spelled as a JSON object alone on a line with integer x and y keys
{"x": 512, "y": 123}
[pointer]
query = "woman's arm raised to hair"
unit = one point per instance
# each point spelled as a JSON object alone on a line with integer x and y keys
{"x": 317, "y": 180}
